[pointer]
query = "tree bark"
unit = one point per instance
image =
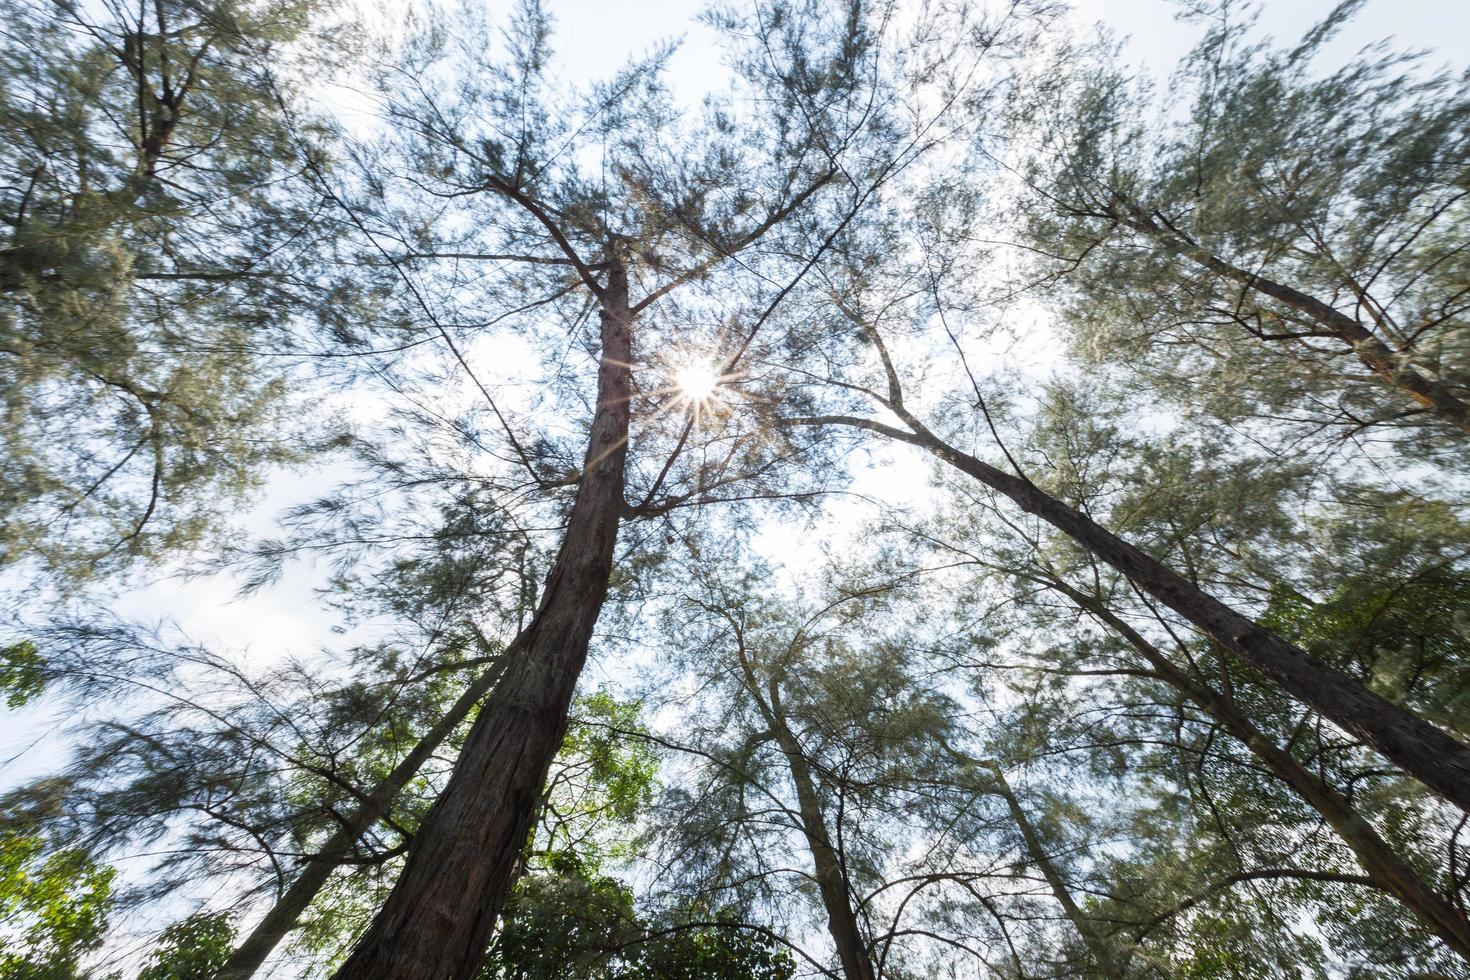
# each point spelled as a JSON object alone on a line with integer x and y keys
{"x": 1384, "y": 867}
{"x": 441, "y": 914}
{"x": 1423, "y": 751}
{"x": 842, "y": 922}
{"x": 283, "y": 915}
{"x": 827, "y": 864}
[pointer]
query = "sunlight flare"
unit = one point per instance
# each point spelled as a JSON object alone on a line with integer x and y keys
{"x": 697, "y": 381}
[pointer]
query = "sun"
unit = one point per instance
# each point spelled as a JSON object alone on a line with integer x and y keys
{"x": 697, "y": 381}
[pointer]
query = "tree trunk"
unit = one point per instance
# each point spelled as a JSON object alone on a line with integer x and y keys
{"x": 440, "y": 916}
{"x": 828, "y": 870}
{"x": 1096, "y": 944}
{"x": 1423, "y": 751}
{"x": 282, "y": 917}
{"x": 1395, "y": 368}
{"x": 842, "y": 922}
{"x": 1384, "y": 867}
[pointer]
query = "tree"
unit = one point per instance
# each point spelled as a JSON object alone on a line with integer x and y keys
{"x": 626, "y": 232}
{"x": 598, "y": 365}
{"x": 193, "y": 949}
{"x": 375, "y": 804}
{"x": 568, "y": 916}
{"x": 1229, "y": 533}
{"x": 874, "y": 285}
{"x": 273, "y": 779}
{"x": 1293, "y": 238}
{"x": 53, "y": 909}
{"x": 822, "y": 774}
{"x": 162, "y": 247}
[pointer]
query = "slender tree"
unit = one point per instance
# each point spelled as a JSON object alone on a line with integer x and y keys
{"x": 1227, "y": 534}
{"x": 629, "y": 203}
{"x": 872, "y": 286}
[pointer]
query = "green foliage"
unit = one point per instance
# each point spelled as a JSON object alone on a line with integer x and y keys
{"x": 606, "y": 773}
{"x": 185, "y": 265}
{"x": 567, "y": 921}
{"x": 53, "y": 909}
{"x": 1342, "y": 184}
{"x": 567, "y": 905}
{"x": 568, "y": 918}
{"x": 1385, "y": 596}
{"x": 156, "y": 241}
{"x": 21, "y": 673}
{"x": 193, "y": 949}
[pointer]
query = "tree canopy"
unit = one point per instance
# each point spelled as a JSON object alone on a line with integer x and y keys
{"x": 858, "y": 490}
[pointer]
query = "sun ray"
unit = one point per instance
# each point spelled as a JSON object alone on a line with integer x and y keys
{"x": 697, "y": 381}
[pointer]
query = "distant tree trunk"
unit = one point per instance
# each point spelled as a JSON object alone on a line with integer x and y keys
{"x": 1395, "y": 368}
{"x": 1384, "y": 867}
{"x": 440, "y": 916}
{"x": 827, "y": 864}
{"x": 1036, "y": 850}
{"x": 842, "y": 922}
{"x": 284, "y": 914}
{"x": 1423, "y": 751}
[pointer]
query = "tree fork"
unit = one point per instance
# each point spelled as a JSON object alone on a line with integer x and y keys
{"x": 283, "y": 915}
{"x": 441, "y": 914}
{"x": 1395, "y": 368}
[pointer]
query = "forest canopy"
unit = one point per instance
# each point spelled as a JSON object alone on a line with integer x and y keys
{"x": 805, "y": 488}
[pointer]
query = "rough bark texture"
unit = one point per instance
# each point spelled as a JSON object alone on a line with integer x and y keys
{"x": 1420, "y": 749}
{"x": 440, "y": 916}
{"x": 1395, "y": 368}
{"x": 1387, "y": 871}
{"x": 1096, "y": 944}
{"x": 283, "y": 915}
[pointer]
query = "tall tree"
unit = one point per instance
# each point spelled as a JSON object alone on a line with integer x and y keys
{"x": 823, "y": 773}
{"x": 629, "y": 202}
{"x": 1221, "y": 519}
{"x": 269, "y": 781}
{"x": 879, "y": 289}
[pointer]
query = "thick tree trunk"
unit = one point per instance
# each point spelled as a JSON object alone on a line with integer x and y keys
{"x": 1419, "y": 748}
{"x": 1395, "y": 368}
{"x": 1036, "y": 849}
{"x": 282, "y": 917}
{"x": 1384, "y": 867}
{"x": 440, "y": 916}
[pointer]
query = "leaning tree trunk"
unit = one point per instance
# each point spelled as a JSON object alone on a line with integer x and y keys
{"x": 283, "y": 915}
{"x": 1385, "y": 868}
{"x": 440, "y": 916}
{"x": 1423, "y": 751}
{"x": 1096, "y": 943}
{"x": 1396, "y": 369}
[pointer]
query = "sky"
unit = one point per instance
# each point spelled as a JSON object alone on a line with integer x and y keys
{"x": 595, "y": 37}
